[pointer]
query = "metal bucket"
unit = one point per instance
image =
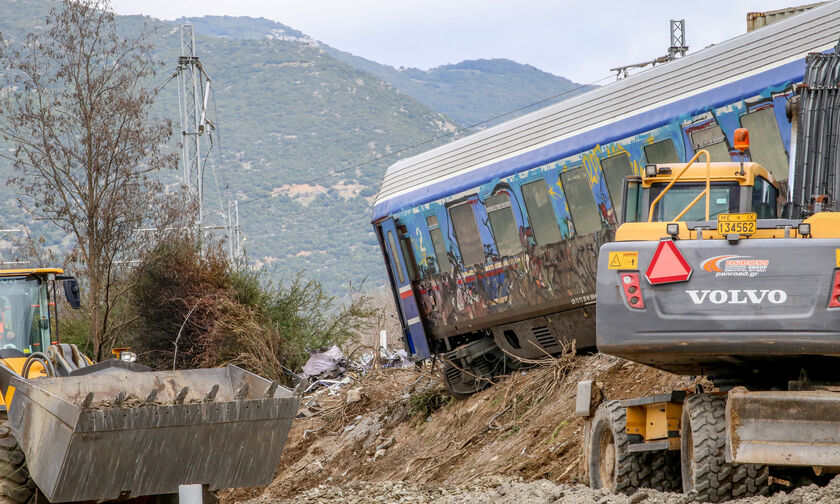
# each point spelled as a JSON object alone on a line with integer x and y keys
{"x": 103, "y": 434}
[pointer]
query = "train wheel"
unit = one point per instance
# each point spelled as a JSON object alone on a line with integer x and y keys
{"x": 462, "y": 384}
{"x": 611, "y": 464}
{"x": 704, "y": 467}
{"x": 16, "y": 487}
{"x": 666, "y": 474}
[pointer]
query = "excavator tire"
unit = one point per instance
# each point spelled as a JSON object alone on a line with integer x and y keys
{"x": 611, "y": 464}
{"x": 704, "y": 467}
{"x": 16, "y": 487}
{"x": 750, "y": 479}
{"x": 666, "y": 475}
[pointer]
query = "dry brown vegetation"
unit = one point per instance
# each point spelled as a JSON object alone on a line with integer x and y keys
{"x": 197, "y": 311}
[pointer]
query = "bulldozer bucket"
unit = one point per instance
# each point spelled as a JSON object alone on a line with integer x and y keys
{"x": 117, "y": 430}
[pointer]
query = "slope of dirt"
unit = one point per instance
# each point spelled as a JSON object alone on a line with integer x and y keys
{"x": 523, "y": 427}
{"x": 395, "y": 436}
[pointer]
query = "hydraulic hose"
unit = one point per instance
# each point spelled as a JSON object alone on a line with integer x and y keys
{"x": 43, "y": 359}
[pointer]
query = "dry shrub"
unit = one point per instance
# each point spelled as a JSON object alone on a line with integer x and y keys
{"x": 523, "y": 396}
{"x": 210, "y": 314}
{"x": 427, "y": 401}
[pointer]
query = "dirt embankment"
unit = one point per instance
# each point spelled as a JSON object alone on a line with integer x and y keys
{"x": 403, "y": 427}
{"x": 395, "y": 436}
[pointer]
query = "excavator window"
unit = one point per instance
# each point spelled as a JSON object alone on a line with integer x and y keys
{"x": 764, "y": 199}
{"x": 724, "y": 198}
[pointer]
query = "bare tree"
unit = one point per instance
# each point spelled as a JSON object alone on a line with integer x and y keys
{"x": 77, "y": 109}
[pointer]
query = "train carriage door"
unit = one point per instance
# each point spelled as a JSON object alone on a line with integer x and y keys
{"x": 406, "y": 301}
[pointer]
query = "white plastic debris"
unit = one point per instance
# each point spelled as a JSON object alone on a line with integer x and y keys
{"x": 325, "y": 364}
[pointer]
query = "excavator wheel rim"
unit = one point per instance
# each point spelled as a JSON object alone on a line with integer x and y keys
{"x": 630, "y": 471}
{"x": 606, "y": 460}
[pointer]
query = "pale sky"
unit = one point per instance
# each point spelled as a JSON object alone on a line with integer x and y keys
{"x": 577, "y": 39}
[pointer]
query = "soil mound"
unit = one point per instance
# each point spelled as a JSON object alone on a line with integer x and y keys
{"x": 400, "y": 425}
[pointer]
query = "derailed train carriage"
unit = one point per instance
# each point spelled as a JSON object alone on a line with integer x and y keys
{"x": 491, "y": 241}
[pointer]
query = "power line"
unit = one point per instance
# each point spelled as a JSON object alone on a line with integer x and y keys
{"x": 163, "y": 84}
{"x": 434, "y": 139}
{"x": 219, "y": 144}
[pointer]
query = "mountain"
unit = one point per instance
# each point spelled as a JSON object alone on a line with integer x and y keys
{"x": 469, "y": 92}
{"x": 292, "y": 123}
{"x": 305, "y": 133}
{"x": 242, "y": 28}
{"x": 474, "y": 91}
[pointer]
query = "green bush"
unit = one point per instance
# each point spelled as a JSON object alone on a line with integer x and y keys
{"x": 74, "y": 327}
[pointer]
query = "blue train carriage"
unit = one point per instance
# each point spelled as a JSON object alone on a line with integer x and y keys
{"x": 491, "y": 241}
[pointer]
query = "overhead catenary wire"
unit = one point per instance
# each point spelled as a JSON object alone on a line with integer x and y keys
{"x": 163, "y": 84}
{"x": 219, "y": 147}
{"x": 434, "y": 139}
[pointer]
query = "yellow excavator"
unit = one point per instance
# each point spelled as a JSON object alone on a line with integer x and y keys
{"x": 74, "y": 430}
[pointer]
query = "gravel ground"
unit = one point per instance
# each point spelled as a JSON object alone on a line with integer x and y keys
{"x": 499, "y": 490}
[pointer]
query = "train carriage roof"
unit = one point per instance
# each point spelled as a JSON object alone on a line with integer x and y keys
{"x": 769, "y": 56}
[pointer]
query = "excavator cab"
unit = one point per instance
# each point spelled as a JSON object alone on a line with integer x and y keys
{"x": 732, "y": 189}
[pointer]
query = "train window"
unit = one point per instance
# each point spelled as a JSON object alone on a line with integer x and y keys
{"x": 582, "y": 205}
{"x": 615, "y": 168}
{"x": 408, "y": 254}
{"x": 662, "y": 152}
{"x": 766, "y": 146}
{"x": 764, "y": 199}
{"x": 503, "y": 224}
{"x": 395, "y": 256}
{"x": 466, "y": 234}
{"x": 712, "y": 140}
{"x": 438, "y": 245}
{"x": 540, "y": 213}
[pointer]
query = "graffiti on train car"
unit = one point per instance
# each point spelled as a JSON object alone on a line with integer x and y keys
{"x": 455, "y": 293}
{"x": 556, "y": 274}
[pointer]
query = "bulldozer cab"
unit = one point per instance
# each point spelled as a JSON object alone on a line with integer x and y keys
{"x": 25, "y": 316}
{"x": 705, "y": 200}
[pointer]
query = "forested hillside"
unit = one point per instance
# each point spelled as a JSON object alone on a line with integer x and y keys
{"x": 294, "y": 121}
{"x": 288, "y": 113}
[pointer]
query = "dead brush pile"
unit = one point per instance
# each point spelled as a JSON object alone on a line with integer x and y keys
{"x": 396, "y": 425}
{"x": 196, "y": 310}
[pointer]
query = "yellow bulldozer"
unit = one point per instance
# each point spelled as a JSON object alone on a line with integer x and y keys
{"x": 74, "y": 430}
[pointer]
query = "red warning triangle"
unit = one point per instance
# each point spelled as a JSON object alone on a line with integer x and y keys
{"x": 668, "y": 265}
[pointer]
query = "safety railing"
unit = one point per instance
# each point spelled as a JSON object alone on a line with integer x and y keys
{"x": 704, "y": 192}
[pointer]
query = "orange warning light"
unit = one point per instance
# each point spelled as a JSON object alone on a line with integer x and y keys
{"x": 742, "y": 139}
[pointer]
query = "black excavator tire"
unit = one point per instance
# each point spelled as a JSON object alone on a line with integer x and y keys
{"x": 666, "y": 475}
{"x": 704, "y": 467}
{"x": 16, "y": 487}
{"x": 631, "y": 471}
